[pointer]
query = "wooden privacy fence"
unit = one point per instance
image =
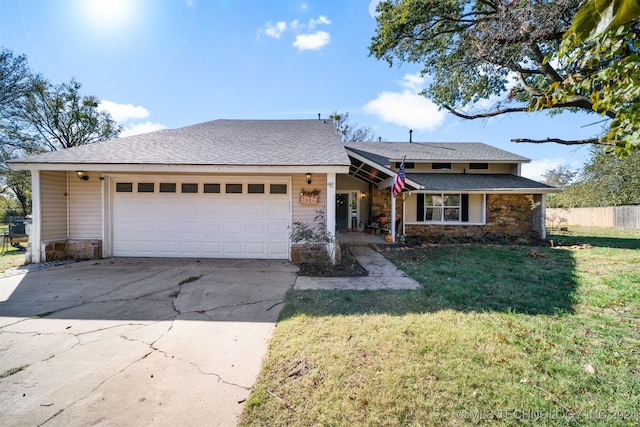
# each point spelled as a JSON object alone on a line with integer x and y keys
{"x": 610, "y": 217}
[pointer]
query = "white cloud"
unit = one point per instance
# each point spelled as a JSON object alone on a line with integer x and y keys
{"x": 138, "y": 128}
{"x": 313, "y": 41}
{"x": 536, "y": 168}
{"x": 123, "y": 112}
{"x": 413, "y": 82}
{"x": 372, "y": 8}
{"x": 127, "y": 116}
{"x": 305, "y": 39}
{"x": 275, "y": 30}
{"x": 407, "y": 108}
{"x": 322, "y": 20}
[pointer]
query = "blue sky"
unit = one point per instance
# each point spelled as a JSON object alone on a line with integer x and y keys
{"x": 169, "y": 63}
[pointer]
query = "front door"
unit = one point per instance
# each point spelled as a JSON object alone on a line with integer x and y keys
{"x": 347, "y": 205}
{"x": 342, "y": 211}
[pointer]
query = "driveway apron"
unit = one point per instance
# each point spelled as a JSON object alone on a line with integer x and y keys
{"x": 135, "y": 341}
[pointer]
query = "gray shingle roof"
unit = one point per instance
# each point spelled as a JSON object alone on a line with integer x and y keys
{"x": 477, "y": 182}
{"x": 218, "y": 142}
{"x": 435, "y": 152}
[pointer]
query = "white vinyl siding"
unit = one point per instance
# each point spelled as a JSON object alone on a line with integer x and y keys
{"x": 306, "y": 213}
{"x": 53, "y": 210}
{"x": 85, "y": 207}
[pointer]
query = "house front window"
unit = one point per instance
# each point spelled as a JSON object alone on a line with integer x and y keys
{"x": 442, "y": 208}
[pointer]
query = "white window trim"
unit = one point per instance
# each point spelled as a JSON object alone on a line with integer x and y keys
{"x": 455, "y": 223}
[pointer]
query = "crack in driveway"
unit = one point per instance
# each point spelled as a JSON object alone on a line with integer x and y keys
{"x": 96, "y": 367}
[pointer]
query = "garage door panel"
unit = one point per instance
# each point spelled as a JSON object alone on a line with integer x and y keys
{"x": 209, "y": 226}
{"x": 255, "y": 227}
{"x": 232, "y": 248}
{"x": 185, "y": 226}
{"x": 256, "y": 249}
{"x": 167, "y": 247}
{"x": 201, "y": 224}
{"x": 232, "y": 227}
{"x": 211, "y": 249}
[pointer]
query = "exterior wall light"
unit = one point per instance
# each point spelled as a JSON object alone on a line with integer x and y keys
{"x": 308, "y": 178}
{"x": 82, "y": 176}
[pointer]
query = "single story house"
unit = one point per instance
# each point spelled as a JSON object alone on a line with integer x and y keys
{"x": 233, "y": 188}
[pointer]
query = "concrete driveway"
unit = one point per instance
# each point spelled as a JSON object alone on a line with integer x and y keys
{"x": 135, "y": 341}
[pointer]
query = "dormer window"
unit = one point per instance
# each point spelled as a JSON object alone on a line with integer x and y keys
{"x": 441, "y": 166}
{"x": 478, "y": 166}
{"x": 407, "y": 165}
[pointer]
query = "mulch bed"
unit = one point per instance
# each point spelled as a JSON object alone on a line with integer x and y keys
{"x": 349, "y": 267}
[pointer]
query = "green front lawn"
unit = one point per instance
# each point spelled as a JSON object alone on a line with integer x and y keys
{"x": 498, "y": 334}
{"x": 11, "y": 257}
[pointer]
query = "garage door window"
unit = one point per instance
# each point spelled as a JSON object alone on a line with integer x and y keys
{"x": 211, "y": 188}
{"x": 146, "y": 187}
{"x": 278, "y": 189}
{"x": 124, "y": 187}
{"x": 255, "y": 188}
{"x": 189, "y": 188}
{"x": 233, "y": 189}
{"x": 166, "y": 187}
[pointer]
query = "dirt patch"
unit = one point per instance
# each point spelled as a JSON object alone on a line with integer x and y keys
{"x": 349, "y": 267}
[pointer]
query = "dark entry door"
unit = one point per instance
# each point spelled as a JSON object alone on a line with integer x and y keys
{"x": 342, "y": 212}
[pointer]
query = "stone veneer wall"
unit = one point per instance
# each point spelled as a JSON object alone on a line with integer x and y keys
{"x": 78, "y": 250}
{"x": 507, "y": 215}
{"x": 381, "y": 203}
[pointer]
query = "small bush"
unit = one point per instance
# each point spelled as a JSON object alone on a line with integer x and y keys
{"x": 317, "y": 240}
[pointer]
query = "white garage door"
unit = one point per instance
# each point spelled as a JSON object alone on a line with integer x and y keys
{"x": 207, "y": 218}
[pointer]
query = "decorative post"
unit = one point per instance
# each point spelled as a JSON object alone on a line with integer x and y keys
{"x": 35, "y": 237}
{"x": 331, "y": 213}
{"x": 392, "y": 226}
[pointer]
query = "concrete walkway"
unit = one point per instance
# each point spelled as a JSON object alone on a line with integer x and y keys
{"x": 383, "y": 274}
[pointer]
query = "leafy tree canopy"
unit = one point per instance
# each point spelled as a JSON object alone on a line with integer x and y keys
{"x": 605, "y": 180}
{"x": 500, "y": 49}
{"x": 36, "y": 116}
{"x": 351, "y": 132}
{"x": 559, "y": 177}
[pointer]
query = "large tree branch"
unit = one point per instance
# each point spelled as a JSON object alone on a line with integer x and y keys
{"x": 549, "y": 72}
{"x": 561, "y": 141}
{"x": 580, "y": 102}
{"x": 484, "y": 115}
{"x": 530, "y": 89}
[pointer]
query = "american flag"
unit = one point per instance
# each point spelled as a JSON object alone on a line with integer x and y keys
{"x": 400, "y": 181}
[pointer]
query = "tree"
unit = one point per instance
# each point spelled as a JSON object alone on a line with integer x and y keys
{"x": 605, "y": 180}
{"x": 36, "y": 116}
{"x": 52, "y": 118}
{"x": 351, "y": 132}
{"x": 486, "y": 49}
{"x": 605, "y": 67}
{"x": 16, "y": 81}
{"x": 559, "y": 177}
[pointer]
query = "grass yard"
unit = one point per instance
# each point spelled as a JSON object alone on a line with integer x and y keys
{"x": 11, "y": 257}
{"x": 498, "y": 335}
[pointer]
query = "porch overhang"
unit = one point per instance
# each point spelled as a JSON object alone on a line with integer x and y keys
{"x": 372, "y": 172}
